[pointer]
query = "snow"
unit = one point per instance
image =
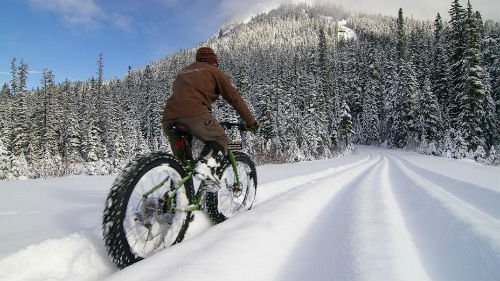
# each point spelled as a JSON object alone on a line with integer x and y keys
{"x": 346, "y": 32}
{"x": 377, "y": 214}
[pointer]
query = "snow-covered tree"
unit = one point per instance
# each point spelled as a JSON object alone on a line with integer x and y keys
{"x": 345, "y": 125}
{"x": 430, "y": 123}
{"x": 471, "y": 99}
{"x": 5, "y": 162}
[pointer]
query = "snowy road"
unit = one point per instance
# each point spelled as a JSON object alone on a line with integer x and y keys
{"x": 375, "y": 215}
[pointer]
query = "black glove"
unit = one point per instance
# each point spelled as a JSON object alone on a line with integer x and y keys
{"x": 253, "y": 127}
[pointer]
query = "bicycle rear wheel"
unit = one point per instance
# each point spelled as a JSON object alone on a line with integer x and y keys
{"x": 141, "y": 217}
{"x": 233, "y": 198}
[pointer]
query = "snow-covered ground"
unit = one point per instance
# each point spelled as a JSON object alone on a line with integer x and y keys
{"x": 374, "y": 215}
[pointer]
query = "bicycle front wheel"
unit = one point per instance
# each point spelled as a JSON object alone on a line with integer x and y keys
{"x": 142, "y": 215}
{"x": 237, "y": 190}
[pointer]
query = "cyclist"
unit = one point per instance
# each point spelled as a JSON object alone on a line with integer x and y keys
{"x": 195, "y": 88}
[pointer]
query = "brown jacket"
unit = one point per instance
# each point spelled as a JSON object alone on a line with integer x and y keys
{"x": 198, "y": 86}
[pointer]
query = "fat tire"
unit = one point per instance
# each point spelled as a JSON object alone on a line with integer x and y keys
{"x": 115, "y": 210}
{"x": 212, "y": 199}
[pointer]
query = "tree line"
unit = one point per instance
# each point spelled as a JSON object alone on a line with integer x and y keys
{"x": 400, "y": 82}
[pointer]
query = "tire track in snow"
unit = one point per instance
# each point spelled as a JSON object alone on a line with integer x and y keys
{"x": 362, "y": 233}
{"x": 452, "y": 236}
{"x": 386, "y": 250}
{"x": 276, "y": 188}
{"x": 484, "y": 199}
{"x": 327, "y": 238}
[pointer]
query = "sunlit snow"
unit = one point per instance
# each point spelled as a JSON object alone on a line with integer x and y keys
{"x": 374, "y": 215}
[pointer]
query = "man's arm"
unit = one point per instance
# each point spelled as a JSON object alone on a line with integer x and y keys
{"x": 233, "y": 97}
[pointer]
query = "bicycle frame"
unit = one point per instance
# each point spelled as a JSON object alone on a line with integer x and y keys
{"x": 196, "y": 206}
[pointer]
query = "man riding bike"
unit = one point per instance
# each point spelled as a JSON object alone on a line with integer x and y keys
{"x": 195, "y": 89}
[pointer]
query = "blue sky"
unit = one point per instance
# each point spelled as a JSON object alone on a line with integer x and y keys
{"x": 66, "y": 36}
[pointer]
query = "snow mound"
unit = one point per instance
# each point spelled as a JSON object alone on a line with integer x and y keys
{"x": 75, "y": 257}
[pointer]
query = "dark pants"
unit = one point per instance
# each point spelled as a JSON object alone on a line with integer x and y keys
{"x": 203, "y": 127}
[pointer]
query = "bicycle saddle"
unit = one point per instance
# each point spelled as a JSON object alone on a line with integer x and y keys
{"x": 179, "y": 128}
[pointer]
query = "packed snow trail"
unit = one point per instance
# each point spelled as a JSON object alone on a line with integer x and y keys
{"x": 376, "y": 215}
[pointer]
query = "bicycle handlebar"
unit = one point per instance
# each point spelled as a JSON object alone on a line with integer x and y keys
{"x": 229, "y": 125}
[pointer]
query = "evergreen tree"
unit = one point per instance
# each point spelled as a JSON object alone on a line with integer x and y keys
{"x": 19, "y": 168}
{"x": 401, "y": 37}
{"x": 20, "y": 132}
{"x": 50, "y": 134}
{"x": 490, "y": 122}
{"x": 345, "y": 125}
{"x": 370, "y": 132}
{"x": 71, "y": 135}
{"x": 23, "y": 77}
{"x": 402, "y": 106}
{"x": 100, "y": 73}
{"x": 439, "y": 72}
{"x": 457, "y": 45}
{"x": 14, "y": 82}
{"x": 5, "y": 162}
{"x": 430, "y": 116}
{"x": 5, "y": 92}
{"x": 471, "y": 99}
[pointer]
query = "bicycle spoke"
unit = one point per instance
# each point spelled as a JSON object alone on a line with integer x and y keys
{"x": 147, "y": 239}
{"x": 127, "y": 236}
{"x": 137, "y": 240}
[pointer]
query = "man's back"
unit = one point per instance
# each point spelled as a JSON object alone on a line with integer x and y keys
{"x": 195, "y": 89}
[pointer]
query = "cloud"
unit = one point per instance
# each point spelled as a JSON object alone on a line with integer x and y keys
{"x": 122, "y": 22}
{"x": 421, "y": 9}
{"x": 243, "y": 10}
{"x": 83, "y": 13}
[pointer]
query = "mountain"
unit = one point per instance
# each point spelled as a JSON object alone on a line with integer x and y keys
{"x": 405, "y": 83}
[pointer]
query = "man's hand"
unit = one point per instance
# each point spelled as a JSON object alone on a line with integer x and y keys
{"x": 253, "y": 127}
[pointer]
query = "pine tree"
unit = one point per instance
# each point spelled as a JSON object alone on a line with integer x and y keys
{"x": 23, "y": 77}
{"x": 370, "y": 132}
{"x": 430, "y": 116}
{"x": 492, "y": 156}
{"x": 100, "y": 73}
{"x": 345, "y": 125}
{"x": 5, "y": 162}
{"x": 457, "y": 45}
{"x": 14, "y": 82}
{"x": 20, "y": 132}
{"x": 50, "y": 135}
{"x": 439, "y": 72}
{"x": 328, "y": 97}
{"x": 471, "y": 99}
{"x": 19, "y": 168}
{"x": 71, "y": 135}
{"x": 490, "y": 122}
{"x": 402, "y": 106}
{"x": 401, "y": 37}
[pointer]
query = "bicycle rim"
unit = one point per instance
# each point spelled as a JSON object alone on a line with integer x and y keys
{"x": 148, "y": 225}
{"x": 233, "y": 199}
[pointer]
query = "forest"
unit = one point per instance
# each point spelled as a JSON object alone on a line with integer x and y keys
{"x": 430, "y": 86}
